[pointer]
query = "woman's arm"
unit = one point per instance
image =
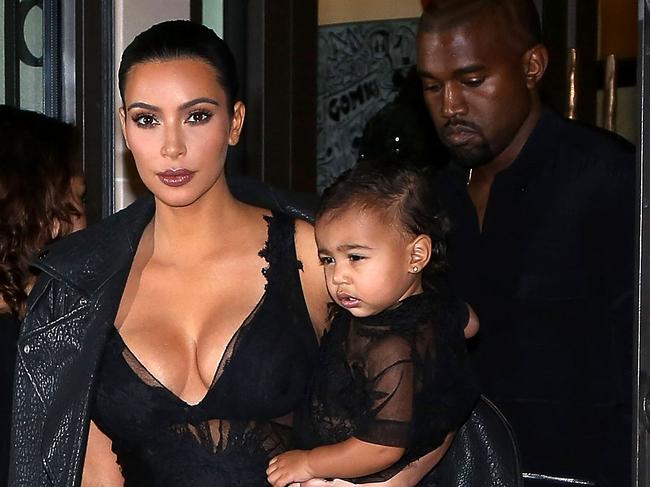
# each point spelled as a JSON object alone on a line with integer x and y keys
{"x": 312, "y": 277}
{"x": 350, "y": 458}
{"x": 100, "y": 466}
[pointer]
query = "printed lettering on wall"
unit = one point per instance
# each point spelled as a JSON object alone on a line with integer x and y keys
{"x": 357, "y": 67}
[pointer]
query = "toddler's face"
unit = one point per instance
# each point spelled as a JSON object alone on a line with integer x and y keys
{"x": 366, "y": 260}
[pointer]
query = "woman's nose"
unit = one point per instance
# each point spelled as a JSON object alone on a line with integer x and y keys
{"x": 174, "y": 143}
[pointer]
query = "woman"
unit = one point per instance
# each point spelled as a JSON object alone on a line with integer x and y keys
{"x": 41, "y": 194}
{"x": 170, "y": 344}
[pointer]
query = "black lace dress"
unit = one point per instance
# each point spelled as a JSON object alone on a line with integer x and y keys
{"x": 228, "y": 438}
{"x": 400, "y": 378}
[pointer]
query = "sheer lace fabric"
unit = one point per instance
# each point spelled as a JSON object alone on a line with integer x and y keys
{"x": 399, "y": 378}
{"x": 244, "y": 419}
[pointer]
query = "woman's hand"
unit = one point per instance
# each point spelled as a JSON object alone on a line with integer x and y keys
{"x": 288, "y": 468}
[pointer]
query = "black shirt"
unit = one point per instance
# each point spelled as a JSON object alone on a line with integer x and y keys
{"x": 399, "y": 378}
{"x": 551, "y": 277}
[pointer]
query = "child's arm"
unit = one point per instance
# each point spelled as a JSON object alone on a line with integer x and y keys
{"x": 348, "y": 459}
{"x": 409, "y": 476}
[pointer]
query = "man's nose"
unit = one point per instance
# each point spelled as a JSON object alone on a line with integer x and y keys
{"x": 174, "y": 142}
{"x": 453, "y": 101}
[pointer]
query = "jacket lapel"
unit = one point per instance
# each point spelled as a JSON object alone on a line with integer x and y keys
{"x": 92, "y": 267}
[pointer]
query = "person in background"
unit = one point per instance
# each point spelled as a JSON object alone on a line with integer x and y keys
{"x": 543, "y": 213}
{"x": 41, "y": 200}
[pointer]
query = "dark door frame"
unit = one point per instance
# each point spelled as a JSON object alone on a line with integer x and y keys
{"x": 641, "y": 445}
{"x": 275, "y": 45}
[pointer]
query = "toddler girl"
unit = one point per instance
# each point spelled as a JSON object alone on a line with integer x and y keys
{"x": 392, "y": 380}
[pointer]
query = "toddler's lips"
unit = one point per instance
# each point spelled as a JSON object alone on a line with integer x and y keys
{"x": 348, "y": 301}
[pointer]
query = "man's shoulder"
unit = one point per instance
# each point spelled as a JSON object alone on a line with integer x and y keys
{"x": 575, "y": 141}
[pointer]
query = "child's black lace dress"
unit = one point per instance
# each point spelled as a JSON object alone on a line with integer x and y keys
{"x": 227, "y": 438}
{"x": 399, "y": 378}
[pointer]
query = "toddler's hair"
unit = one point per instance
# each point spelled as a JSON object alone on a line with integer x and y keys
{"x": 402, "y": 193}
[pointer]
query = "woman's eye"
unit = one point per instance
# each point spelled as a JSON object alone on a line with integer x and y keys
{"x": 145, "y": 120}
{"x": 199, "y": 117}
{"x": 325, "y": 260}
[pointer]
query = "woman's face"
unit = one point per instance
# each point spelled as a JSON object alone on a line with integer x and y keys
{"x": 176, "y": 122}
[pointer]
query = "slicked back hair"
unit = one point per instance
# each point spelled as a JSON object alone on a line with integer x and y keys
{"x": 182, "y": 39}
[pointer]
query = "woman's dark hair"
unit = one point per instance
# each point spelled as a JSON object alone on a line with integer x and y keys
{"x": 400, "y": 191}
{"x": 38, "y": 160}
{"x": 182, "y": 39}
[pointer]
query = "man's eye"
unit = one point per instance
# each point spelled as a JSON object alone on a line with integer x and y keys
{"x": 145, "y": 120}
{"x": 199, "y": 117}
{"x": 324, "y": 260}
{"x": 474, "y": 82}
{"x": 431, "y": 87}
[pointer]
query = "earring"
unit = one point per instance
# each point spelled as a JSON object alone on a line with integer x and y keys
{"x": 415, "y": 269}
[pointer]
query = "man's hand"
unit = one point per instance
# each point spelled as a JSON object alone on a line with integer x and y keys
{"x": 289, "y": 467}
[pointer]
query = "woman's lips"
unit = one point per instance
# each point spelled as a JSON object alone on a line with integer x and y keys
{"x": 175, "y": 177}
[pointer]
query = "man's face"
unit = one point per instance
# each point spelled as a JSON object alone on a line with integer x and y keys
{"x": 475, "y": 88}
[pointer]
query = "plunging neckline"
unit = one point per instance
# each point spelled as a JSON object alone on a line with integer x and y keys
{"x": 220, "y": 365}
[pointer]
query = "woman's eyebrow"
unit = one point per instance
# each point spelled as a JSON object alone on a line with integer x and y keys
{"x": 140, "y": 104}
{"x": 196, "y": 101}
{"x": 187, "y": 104}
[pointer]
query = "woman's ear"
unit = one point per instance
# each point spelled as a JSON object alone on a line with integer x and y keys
{"x": 420, "y": 253}
{"x": 237, "y": 123}
{"x": 122, "y": 113}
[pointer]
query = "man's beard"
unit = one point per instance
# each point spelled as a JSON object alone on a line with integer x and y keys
{"x": 471, "y": 154}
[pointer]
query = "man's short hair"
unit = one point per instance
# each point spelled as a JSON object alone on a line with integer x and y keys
{"x": 519, "y": 17}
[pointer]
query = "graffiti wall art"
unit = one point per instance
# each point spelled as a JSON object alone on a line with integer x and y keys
{"x": 358, "y": 64}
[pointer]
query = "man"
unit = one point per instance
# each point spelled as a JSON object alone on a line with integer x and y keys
{"x": 542, "y": 242}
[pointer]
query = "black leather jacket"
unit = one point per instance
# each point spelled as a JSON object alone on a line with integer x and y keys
{"x": 72, "y": 309}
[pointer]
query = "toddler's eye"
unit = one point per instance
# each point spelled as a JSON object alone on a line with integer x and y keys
{"x": 356, "y": 257}
{"x": 325, "y": 260}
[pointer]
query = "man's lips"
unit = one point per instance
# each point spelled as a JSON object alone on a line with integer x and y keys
{"x": 458, "y": 134}
{"x": 175, "y": 177}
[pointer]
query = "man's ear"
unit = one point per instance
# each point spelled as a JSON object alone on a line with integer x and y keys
{"x": 122, "y": 113}
{"x": 420, "y": 253}
{"x": 237, "y": 123}
{"x": 535, "y": 61}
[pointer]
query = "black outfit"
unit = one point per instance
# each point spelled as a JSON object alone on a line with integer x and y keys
{"x": 399, "y": 378}
{"x": 8, "y": 339}
{"x": 550, "y": 276}
{"x": 70, "y": 326}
